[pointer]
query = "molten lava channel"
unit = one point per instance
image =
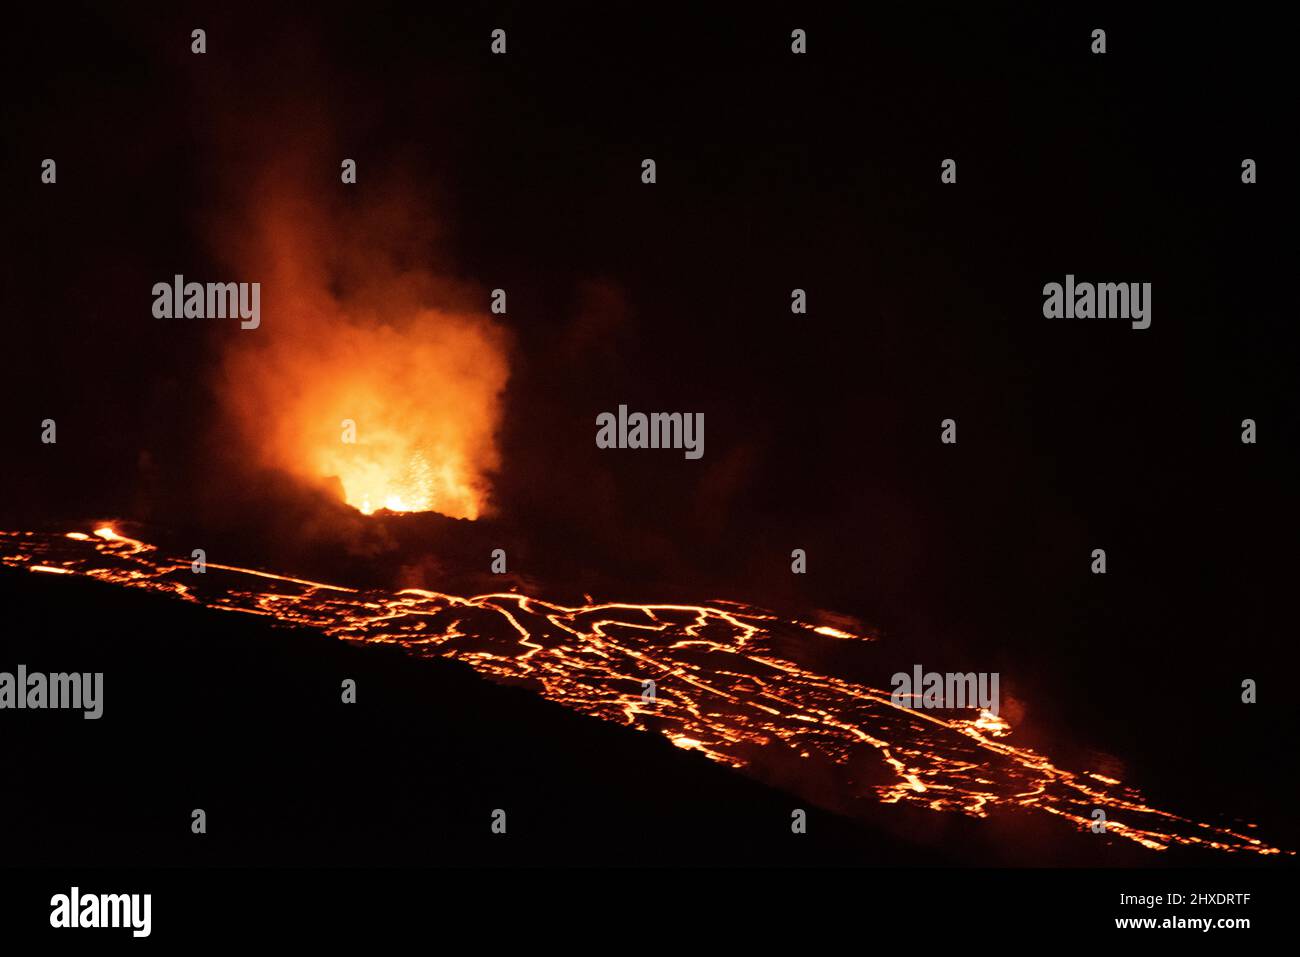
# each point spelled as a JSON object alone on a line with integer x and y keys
{"x": 723, "y": 686}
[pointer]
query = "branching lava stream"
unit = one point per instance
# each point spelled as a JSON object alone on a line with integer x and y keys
{"x": 722, "y": 686}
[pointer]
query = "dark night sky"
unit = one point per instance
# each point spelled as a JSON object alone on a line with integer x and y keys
{"x": 775, "y": 171}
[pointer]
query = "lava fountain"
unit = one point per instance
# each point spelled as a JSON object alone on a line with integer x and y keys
{"x": 368, "y": 373}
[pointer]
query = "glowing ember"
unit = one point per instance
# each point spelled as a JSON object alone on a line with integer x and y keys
{"x": 723, "y": 686}
{"x": 830, "y": 632}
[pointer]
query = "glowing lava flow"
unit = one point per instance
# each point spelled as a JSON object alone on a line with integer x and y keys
{"x": 724, "y": 686}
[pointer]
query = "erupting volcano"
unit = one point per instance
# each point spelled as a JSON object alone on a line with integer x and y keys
{"x": 447, "y": 436}
{"x": 728, "y": 680}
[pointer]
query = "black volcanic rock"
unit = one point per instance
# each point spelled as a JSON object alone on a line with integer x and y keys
{"x": 242, "y": 719}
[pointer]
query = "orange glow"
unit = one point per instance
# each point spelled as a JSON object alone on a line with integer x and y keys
{"x": 830, "y": 632}
{"x": 423, "y": 441}
{"x": 368, "y": 373}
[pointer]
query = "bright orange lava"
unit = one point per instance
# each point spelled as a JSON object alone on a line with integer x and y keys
{"x": 370, "y": 374}
{"x": 724, "y": 684}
